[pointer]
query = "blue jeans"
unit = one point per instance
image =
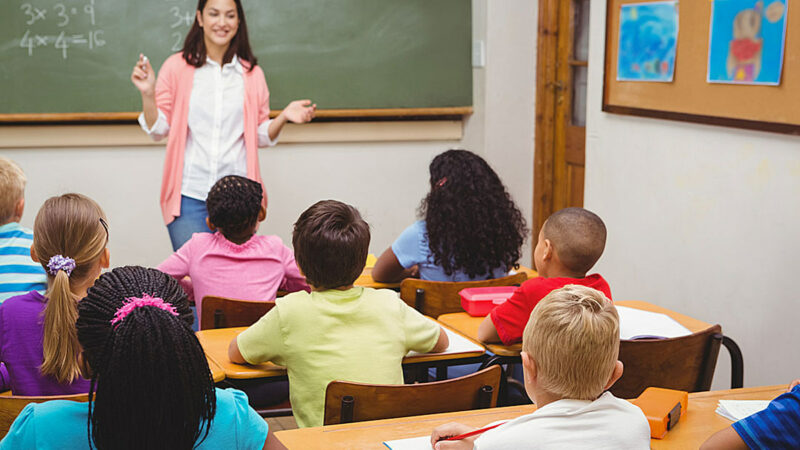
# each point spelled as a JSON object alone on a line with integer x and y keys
{"x": 192, "y": 220}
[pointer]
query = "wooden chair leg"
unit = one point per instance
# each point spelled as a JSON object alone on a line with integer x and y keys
{"x": 348, "y": 403}
{"x": 419, "y": 300}
{"x": 485, "y": 397}
{"x": 219, "y": 319}
{"x": 737, "y": 362}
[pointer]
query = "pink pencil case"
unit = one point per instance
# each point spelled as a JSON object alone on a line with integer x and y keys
{"x": 480, "y": 301}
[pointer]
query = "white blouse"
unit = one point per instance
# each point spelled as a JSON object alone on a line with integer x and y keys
{"x": 215, "y": 140}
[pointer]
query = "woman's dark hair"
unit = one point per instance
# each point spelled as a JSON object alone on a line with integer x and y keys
{"x": 331, "y": 243}
{"x": 233, "y": 205}
{"x": 473, "y": 224}
{"x": 150, "y": 386}
{"x": 194, "y": 47}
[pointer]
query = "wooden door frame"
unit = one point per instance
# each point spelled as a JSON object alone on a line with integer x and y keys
{"x": 547, "y": 89}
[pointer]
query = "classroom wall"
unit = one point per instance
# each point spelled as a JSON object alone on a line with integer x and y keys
{"x": 385, "y": 180}
{"x": 703, "y": 220}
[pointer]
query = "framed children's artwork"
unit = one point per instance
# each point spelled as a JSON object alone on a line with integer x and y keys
{"x": 746, "y": 41}
{"x": 752, "y": 55}
{"x": 648, "y": 37}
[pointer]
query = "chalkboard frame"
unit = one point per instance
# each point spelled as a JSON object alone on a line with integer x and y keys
{"x": 328, "y": 114}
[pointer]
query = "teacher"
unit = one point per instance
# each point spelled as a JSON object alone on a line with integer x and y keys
{"x": 211, "y": 101}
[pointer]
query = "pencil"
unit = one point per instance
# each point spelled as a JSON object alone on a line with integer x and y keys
{"x": 473, "y": 432}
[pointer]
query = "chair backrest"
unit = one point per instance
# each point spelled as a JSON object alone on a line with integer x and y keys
{"x": 221, "y": 312}
{"x": 434, "y": 298}
{"x": 354, "y": 402}
{"x": 684, "y": 363}
{"x": 11, "y": 406}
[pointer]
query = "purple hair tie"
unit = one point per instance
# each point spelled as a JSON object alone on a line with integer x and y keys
{"x": 58, "y": 263}
{"x": 136, "y": 302}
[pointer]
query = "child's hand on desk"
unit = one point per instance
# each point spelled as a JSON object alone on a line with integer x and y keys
{"x": 449, "y": 430}
{"x": 793, "y": 384}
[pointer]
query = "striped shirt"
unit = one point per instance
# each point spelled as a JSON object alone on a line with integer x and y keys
{"x": 19, "y": 274}
{"x": 776, "y": 427}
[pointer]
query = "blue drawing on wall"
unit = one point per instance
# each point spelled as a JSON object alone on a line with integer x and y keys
{"x": 746, "y": 41}
{"x": 648, "y": 36}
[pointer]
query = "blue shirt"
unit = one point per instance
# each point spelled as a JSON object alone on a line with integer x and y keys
{"x": 776, "y": 427}
{"x": 60, "y": 424}
{"x": 411, "y": 248}
{"x": 19, "y": 274}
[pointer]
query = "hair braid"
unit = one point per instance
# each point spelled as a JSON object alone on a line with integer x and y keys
{"x": 151, "y": 386}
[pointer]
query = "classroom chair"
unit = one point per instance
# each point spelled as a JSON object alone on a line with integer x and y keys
{"x": 684, "y": 363}
{"x": 221, "y": 312}
{"x": 355, "y": 402}
{"x": 12, "y": 405}
{"x": 434, "y": 298}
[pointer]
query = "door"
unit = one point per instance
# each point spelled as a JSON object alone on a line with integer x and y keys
{"x": 562, "y": 66}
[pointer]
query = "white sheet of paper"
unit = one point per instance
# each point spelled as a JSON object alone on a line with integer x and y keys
{"x": 739, "y": 409}
{"x": 415, "y": 443}
{"x": 635, "y": 322}
{"x": 458, "y": 344}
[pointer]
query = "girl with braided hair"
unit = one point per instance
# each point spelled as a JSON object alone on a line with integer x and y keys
{"x": 470, "y": 228}
{"x": 234, "y": 261}
{"x": 150, "y": 382}
{"x": 38, "y": 343}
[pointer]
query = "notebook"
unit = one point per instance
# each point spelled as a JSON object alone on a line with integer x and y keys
{"x": 458, "y": 344}
{"x": 739, "y": 409}
{"x": 639, "y": 324}
{"x": 415, "y": 443}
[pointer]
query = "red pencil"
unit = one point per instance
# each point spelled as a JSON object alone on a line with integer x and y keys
{"x": 473, "y": 432}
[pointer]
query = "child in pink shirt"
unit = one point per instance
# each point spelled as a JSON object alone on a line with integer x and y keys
{"x": 234, "y": 262}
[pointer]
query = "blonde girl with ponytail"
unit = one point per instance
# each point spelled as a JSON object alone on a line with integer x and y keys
{"x": 38, "y": 340}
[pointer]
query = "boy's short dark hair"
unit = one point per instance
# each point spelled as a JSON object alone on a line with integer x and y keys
{"x": 331, "y": 242}
{"x": 578, "y": 236}
{"x": 233, "y": 204}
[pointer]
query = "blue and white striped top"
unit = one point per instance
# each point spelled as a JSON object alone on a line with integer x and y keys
{"x": 18, "y": 273}
{"x": 776, "y": 427}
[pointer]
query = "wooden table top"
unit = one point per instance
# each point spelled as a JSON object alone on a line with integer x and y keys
{"x": 366, "y": 280}
{"x": 695, "y": 427}
{"x": 468, "y": 325}
{"x": 215, "y": 344}
{"x": 216, "y": 371}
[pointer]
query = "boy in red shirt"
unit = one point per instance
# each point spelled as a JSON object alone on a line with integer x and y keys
{"x": 570, "y": 243}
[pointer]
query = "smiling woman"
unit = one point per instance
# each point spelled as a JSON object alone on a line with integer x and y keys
{"x": 212, "y": 103}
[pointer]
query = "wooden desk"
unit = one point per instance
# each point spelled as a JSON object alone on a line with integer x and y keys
{"x": 695, "y": 427}
{"x": 216, "y": 371}
{"x": 215, "y": 344}
{"x": 366, "y": 280}
{"x": 468, "y": 325}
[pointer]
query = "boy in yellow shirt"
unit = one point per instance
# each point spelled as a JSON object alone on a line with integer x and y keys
{"x": 338, "y": 331}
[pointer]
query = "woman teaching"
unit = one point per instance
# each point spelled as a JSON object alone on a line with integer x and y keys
{"x": 212, "y": 103}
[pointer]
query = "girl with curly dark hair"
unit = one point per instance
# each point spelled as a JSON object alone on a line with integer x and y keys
{"x": 470, "y": 228}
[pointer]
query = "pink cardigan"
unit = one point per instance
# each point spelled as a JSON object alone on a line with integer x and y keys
{"x": 173, "y": 91}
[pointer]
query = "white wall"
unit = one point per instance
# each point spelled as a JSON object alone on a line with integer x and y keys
{"x": 702, "y": 220}
{"x": 385, "y": 181}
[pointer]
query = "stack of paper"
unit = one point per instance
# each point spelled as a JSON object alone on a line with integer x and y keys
{"x": 636, "y": 323}
{"x": 739, "y": 409}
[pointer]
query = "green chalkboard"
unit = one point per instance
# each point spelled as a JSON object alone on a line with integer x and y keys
{"x": 76, "y": 56}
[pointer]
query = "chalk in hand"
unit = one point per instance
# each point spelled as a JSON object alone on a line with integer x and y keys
{"x": 143, "y": 64}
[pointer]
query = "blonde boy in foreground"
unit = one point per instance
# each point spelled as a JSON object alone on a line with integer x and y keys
{"x": 569, "y": 357}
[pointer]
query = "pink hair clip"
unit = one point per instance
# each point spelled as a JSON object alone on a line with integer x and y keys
{"x": 136, "y": 302}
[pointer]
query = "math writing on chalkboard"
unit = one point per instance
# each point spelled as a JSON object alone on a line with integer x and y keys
{"x": 65, "y": 36}
{"x": 67, "y": 25}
